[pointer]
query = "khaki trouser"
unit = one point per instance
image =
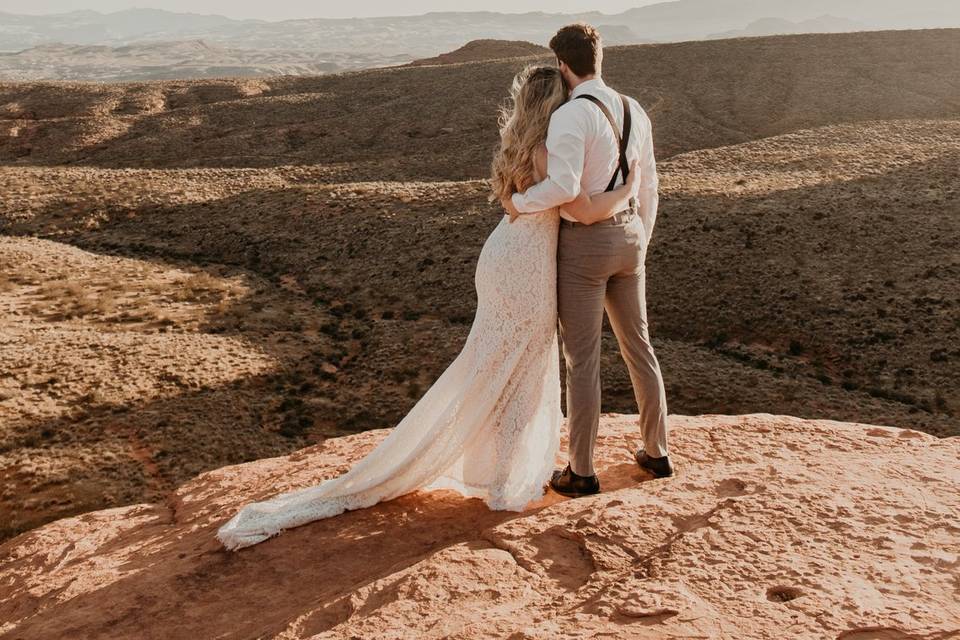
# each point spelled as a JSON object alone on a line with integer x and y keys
{"x": 599, "y": 267}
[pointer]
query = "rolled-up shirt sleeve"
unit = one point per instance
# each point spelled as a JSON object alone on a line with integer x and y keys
{"x": 565, "y": 156}
{"x": 648, "y": 198}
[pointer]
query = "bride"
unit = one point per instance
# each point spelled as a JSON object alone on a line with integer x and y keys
{"x": 489, "y": 427}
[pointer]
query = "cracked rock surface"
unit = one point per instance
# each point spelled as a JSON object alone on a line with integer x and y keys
{"x": 773, "y": 527}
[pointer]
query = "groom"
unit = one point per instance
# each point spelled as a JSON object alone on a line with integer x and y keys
{"x": 590, "y": 143}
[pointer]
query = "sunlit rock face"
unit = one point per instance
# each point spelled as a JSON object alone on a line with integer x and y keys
{"x": 824, "y": 528}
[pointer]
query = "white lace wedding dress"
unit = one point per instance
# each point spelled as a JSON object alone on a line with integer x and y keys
{"x": 489, "y": 427}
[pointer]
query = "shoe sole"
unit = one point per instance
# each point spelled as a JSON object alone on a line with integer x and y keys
{"x": 656, "y": 475}
{"x": 573, "y": 494}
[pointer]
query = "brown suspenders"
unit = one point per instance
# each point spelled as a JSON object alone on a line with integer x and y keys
{"x": 622, "y": 140}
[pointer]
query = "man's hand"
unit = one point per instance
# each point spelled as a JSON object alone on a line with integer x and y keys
{"x": 509, "y": 208}
{"x": 635, "y": 179}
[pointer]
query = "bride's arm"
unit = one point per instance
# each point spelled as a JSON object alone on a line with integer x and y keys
{"x": 585, "y": 208}
{"x": 600, "y": 206}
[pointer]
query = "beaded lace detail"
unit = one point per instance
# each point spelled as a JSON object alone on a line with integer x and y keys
{"x": 489, "y": 427}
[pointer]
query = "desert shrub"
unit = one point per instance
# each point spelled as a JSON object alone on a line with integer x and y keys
{"x": 717, "y": 340}
{"x": 199, "y": 287}
{"x": 291, "y": 403}
{"x": 295, "y": 425}
{"x": 940, "y": 402}
{"x": 331, "y": 329}
{"x": 893, "y": 395}
{"x": 461, "y": 318}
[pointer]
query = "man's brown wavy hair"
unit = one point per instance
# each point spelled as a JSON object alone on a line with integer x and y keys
{"x": 579, "y": 46}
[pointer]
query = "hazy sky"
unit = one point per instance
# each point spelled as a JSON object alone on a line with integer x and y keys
{"x": 284, "y": 9}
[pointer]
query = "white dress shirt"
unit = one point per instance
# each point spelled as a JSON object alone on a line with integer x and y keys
{"x": 582, "y": 154}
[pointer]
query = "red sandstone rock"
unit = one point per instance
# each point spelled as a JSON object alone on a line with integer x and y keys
{"x": 774, "y": 527}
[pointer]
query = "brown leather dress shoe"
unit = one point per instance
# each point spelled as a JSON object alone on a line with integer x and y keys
{"x": 569, "y": 484}
{"x": 659, "y": 467}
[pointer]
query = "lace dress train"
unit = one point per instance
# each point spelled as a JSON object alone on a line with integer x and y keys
{"x": 489, "y": 427}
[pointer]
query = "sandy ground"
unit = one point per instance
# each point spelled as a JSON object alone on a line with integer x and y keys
{"x": 123, "y": 377}
{"x": 773, "y": 527}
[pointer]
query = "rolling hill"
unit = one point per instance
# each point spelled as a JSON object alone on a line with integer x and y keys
{"x": 480, "y": 50}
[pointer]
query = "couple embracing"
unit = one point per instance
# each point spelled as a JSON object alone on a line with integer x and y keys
{"x": 576, "y": 175}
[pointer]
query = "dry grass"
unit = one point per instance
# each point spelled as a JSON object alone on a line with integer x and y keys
{"x": 200, "y": 287}
{"x": 66, "y": 300}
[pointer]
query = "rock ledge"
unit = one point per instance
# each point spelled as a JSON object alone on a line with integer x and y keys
{"x": 773, "y": 527}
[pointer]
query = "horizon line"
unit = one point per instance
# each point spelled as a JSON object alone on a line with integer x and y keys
{"x": 377, "y": 17}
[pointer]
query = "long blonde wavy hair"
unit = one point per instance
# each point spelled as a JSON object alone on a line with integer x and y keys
{"x": 536, "y": 93}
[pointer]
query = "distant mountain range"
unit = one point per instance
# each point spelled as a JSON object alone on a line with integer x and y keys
{"x": 352, "y": 43}
{"x": 779, "y": 26}
{"x": 180, "y": 59}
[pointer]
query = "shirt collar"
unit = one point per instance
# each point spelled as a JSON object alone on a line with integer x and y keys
{"x": 586, "y": 87}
